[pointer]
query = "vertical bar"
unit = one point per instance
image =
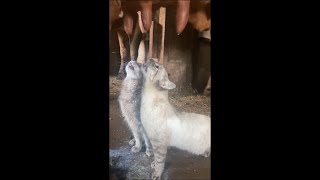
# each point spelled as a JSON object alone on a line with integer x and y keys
{"x": 150, "y": 41}
{"x": 162, "y": 22}
{"x": 146, "y": 45}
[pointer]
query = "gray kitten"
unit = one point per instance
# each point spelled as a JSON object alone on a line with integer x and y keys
{"x": 130, "y": 102}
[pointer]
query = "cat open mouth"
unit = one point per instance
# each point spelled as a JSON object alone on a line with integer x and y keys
{"x": 131, "y": 66}
{"x": 145, "y": 67}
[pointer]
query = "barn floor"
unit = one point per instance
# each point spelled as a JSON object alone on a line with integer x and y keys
{"x": 179, "y": 164}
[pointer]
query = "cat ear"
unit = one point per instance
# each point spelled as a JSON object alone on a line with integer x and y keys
{"x": 165, "y": 83}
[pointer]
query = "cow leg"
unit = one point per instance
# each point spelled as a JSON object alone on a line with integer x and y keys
{"x": 123, "y": 44}
{"x": 135, "y": 42}
{"x": 207, "y": 90}
{"x": 115, "y": 11}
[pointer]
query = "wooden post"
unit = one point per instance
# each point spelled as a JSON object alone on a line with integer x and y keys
{"x": 150, "y": 41}
{"x": 162, "y": 22}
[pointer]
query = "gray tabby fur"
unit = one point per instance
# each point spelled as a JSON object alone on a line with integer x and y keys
{"x": 130, "y": 102}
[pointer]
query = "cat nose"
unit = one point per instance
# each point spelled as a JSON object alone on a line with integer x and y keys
{"x": 152, "y": 61}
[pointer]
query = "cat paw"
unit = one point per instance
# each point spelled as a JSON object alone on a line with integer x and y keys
{"x": 132, "y": 142}
{"x": 153, "y": 164}
{"x": 135, "y": 149}
{"x": 155, "y": 176}
{"x": 149, "y": 152}
{"x": 206, "y": 154}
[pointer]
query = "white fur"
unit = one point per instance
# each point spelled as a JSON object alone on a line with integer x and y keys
{"x": 187, "y": 131}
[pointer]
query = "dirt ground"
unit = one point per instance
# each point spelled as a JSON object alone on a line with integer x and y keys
{"x": 179, "y": 164}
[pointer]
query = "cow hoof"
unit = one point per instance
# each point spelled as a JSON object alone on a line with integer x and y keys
{"x": 207, "y": 92}
{"x": 121, "y": 76}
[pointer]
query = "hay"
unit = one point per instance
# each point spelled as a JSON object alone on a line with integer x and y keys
{"x": 186, "y": 99}
{"x": 114, "y": 86}
{"x": 183, "y": 98}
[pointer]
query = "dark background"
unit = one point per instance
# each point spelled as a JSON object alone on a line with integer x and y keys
{"x": 57, "y": 70}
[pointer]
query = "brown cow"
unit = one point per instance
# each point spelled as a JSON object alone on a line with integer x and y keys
{"x": 196, "y": 12}
{"x": 115, "y": 11}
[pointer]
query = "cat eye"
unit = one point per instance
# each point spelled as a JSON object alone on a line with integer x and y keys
{"x": 157, "y": 66}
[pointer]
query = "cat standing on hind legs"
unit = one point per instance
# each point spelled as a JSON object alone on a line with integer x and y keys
{"x": 164, "y": 125}
{"x": 130, "y": 102}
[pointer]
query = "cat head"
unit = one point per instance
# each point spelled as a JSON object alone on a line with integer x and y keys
{"x": 156, "y": 74}
{"x": 133, "y": 70}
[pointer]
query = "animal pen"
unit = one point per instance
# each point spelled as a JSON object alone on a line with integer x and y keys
{"x": 187, "y": 59}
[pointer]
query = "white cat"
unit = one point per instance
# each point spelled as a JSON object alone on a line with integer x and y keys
{"x": 164, "y": 125}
